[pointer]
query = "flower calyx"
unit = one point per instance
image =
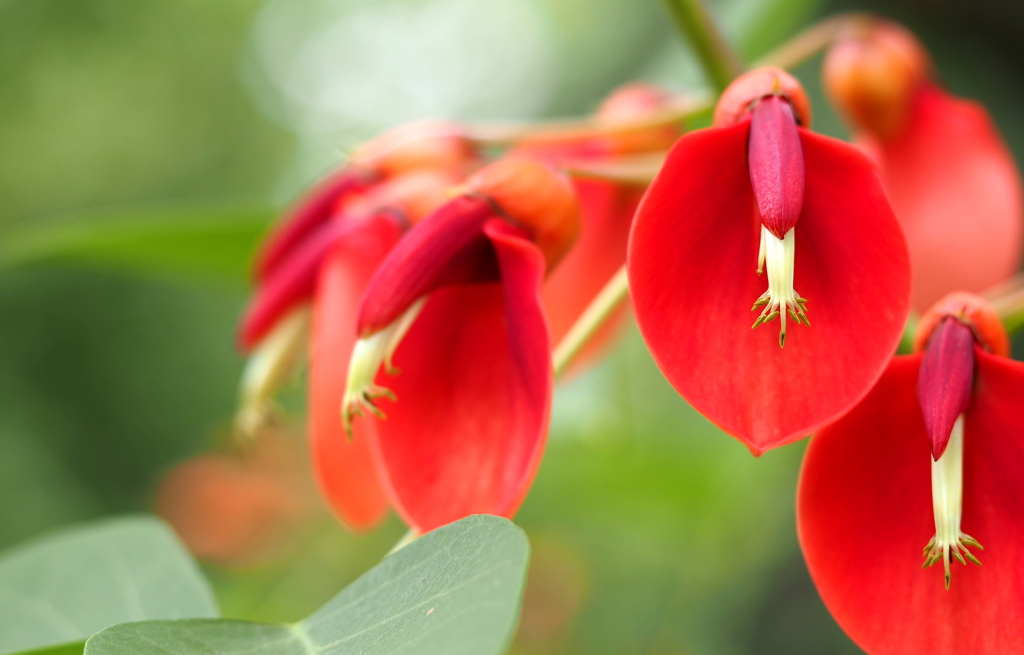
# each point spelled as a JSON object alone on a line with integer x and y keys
{"x": 534, "y": 195}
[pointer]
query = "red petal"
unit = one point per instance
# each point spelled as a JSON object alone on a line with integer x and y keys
{"x": 474, "y": 393}
{"x": 292, "y": 280}
{"x": 957, "y": 192}
{"x": 864, "y": 514}
{"x": 596, "y": 257}
{"x": 776, "y": 164}
{"x": 944, "y": 385}
{"x": 309, "y": 213}
{"x": 447, "y": 247}
{"x": 692, "y": 267}
{"x": 344, "y": 469}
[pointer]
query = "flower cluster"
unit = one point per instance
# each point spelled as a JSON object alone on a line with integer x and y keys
{"x": 433, "y": 273}
{"x": 426, "y": 271}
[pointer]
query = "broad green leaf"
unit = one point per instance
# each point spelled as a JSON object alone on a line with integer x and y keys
{"x": 196, "y": 241}
{"x": 66, "y": 587}
{"x": 454, "y": 591}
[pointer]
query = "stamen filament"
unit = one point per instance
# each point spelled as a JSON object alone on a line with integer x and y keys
{"x": 780, "y": 300}
{"x": 367, "y": 357}
{"x": 947, "y": 505}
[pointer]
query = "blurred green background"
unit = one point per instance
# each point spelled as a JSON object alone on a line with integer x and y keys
{"x": 145, "y": 145}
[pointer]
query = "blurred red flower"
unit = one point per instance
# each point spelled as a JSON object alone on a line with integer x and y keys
{"x": 952, "y": 181}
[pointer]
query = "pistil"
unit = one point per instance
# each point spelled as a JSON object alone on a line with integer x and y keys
{"x": 947, "y": 503}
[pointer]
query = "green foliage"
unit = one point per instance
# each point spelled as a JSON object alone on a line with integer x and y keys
{"x": 197, "y": 241}
{"x": 454, "y": 591}
{"x": 66, "y": 587}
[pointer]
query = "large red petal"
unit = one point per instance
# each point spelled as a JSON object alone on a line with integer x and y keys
{"x": 692, "y": 268}
{"x": 865, "y": 513}
{"x": 344, "y": 469}
{"x": 957, "y": 192}
{"x": 474, "y": 394}
{"x": 592, "y": 261}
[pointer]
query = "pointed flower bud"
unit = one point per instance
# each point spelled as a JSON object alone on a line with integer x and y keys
{"x": 952, "y": 181}
{"x": 944, "y": 385}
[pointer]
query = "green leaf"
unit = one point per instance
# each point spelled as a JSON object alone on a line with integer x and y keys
{"x": 192, "y": 241}
{"x": 66, "y": 587}
{"x": 454, "y": 591}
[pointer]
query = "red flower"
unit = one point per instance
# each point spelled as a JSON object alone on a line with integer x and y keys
{"x": 457, "y": 304}
{"x": 728, "y": 203}
{"x": 324, "y": 253}
{"x": 944, "y": 426}
{"x": 607, "y": 207}
{"x": 951, "y": 180}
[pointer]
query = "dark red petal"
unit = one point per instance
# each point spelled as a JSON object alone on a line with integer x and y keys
{"x": 864, "y": 515}
{"x": 776, "y": 163}
{"x": 474, "y": 394}
{"x": 692, "y": 268}
{"x": 944, "y": 386}
{"x": 291, "y": 281}
{"x": 594, "y": 259}
{"x": 344, "y": 469}
{"x": 310, "y": 212}
{"x": 957, "y": 193}
{"x": 447, "y": 247}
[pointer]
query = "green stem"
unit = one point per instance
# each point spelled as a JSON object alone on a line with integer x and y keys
{"x": 720, "y": 63}
{"x": 612, "y": 295}
{"x": 1010, "y": 307}
{"x": 811, "y": 41}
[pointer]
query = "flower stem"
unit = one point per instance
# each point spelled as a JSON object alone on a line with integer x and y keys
{"x": 554, "y": 132}
{"x": 636, "y": 170}
{"x": 1010, "y": 308}
{"x": 811, "y": 41}
{"x": 606, "y": 302}
{"x": 720, "y": 63}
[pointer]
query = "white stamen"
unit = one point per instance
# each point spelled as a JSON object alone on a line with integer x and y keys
{"x": 273, "y": 363}
{"x": 779, "y": 255}
{"x": 947, "y": 505}
{"x": 367, "y": 356}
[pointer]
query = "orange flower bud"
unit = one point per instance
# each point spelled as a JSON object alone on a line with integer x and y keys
{"x": 971, "y": 311}
{"x": 632, "y": 103}
{"x": 739, "y": 98}
{"x": 535, "y": 195}
{"x": 872, "y": 72}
